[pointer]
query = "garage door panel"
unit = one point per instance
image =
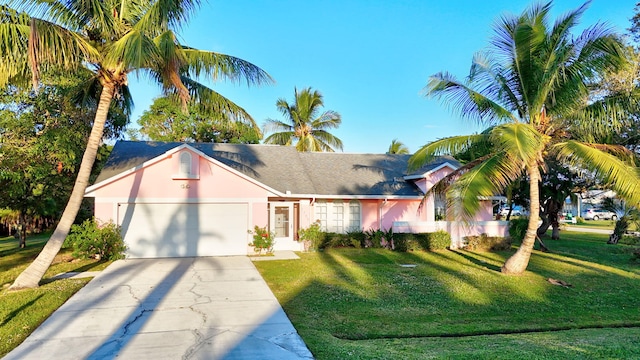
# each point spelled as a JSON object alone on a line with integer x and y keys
{"x": 176, "y": 230}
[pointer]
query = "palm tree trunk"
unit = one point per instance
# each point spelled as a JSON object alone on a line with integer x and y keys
{"x": 32, "y": 275}
{"x": 518, "y": 262}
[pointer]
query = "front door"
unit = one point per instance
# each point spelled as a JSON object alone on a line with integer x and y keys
{"x": 281, "y": 220}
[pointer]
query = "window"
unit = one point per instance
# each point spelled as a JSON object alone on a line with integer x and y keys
{"x": 185, "y": 163}
{"x": 354, "y": 216}
{"x": 186, "y": 168}
{"x": 321, "y": 214}
{"x": 338, "y": 216}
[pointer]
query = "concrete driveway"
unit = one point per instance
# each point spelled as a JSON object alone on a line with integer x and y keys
{"x": 186, "y": 308}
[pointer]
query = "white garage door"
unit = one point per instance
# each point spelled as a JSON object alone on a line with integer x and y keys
{"x": 178, "y": 230}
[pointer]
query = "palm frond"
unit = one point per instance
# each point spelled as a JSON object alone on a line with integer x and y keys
{"x": 488, "y": 177}
{"x": 132, "y": 51}
{"x": 327, "y": 120}
{"x": 469, "y": 103}
{"x": 521, "y": 141}
{"x": 162, "y": 15}
{"x": 445, "y": 146}
{"x": 73, "y": 15}
{"x": 604, "y": 116}
{"x": 329, "y": 141}
{"x": 488, "y": 76}
{"x": 280, "y": 138}
{"x": 210, "y": 101}
{"x": 221, "y": 66}
{"x": 272, "y": 125}
{"x": 616, "y": 173}
{"x": 397, "y": 147}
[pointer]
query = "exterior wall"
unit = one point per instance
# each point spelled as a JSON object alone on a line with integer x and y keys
{"x": 370, "y": 216}
{"x": 161, "y": 183}
{"x": 260, "y": 214}
{"x": 485, "y": 213}
{"x": 400, "y": 210}
{"x": 306, "y": 214}
{"x": 104, "y": 212}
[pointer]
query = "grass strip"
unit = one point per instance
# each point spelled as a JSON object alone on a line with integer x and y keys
{"x": 23, "y": 311}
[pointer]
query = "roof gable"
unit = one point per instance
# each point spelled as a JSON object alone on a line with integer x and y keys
{"x": 282, "y": 169}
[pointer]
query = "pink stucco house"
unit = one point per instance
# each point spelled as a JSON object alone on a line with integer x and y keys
{"x": 177, "y": 199}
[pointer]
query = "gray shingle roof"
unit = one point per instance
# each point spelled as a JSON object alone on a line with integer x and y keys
{"x": 284, "y": 169}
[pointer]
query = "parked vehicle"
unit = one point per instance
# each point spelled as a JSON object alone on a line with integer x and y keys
{"x": 516, "y": 211}
{"x": 598, "y": 214}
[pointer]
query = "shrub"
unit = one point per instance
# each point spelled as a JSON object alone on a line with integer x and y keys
{"x": 90, "y": 240}
{"x": 438, "y": 240}
{"x": 387, "y": 239}
{"x": 313, "y": 235}
{"x": 518, "y": 228}
{"x": 486, "y": 243}
{"x": 335, "y": 240}
{"x": 357, "y": 238}
{"x": 263, "y": 240}
{"x": 629, "y": 240}
{"x": 401, "y": 242}
{"x": 373, "y": 238}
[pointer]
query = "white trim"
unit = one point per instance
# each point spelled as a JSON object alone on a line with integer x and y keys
{"x": 495, "y": 197}
{"x": 355, "y": 197}
{"x": 180, "y": 200}
{"x": 422, "y": 176}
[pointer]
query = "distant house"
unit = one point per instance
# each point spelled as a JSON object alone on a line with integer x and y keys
{"x": 177, "y": 199}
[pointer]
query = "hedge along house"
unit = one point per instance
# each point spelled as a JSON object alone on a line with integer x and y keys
{"x": 200, "y": 199}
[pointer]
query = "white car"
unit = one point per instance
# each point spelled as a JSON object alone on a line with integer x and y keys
{"x": 516, "y": 211}
{"x": 597, "y": 214}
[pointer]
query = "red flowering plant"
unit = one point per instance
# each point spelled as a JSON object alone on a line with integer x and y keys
{"x": 263, "y": 240}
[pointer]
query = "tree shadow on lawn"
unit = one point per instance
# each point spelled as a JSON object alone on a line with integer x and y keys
{"x": 447, "y": 294}
{"x": 476, "y": 259}
{"x": 15, "y": 312}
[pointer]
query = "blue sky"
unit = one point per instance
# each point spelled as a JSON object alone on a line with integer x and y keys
{"x": 369, "y": 58}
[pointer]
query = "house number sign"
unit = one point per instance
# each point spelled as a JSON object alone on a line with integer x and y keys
{"x": 185, "y": 186}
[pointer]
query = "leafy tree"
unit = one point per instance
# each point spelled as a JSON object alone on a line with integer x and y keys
{"x": 111, "y": 38}
{"x": 532, "y": 87}
{"x": 165, "y": 121}
{"x": 305, "y": 126}
{"x": 558, "y": 182}
{"x": 42, "y": 136}
{"x": 397, "y": 147}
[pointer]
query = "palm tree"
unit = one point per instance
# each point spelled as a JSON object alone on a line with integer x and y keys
{"x": 304, "y": 125}
{"x": 397, "y": 147}
{"x": 532, "y": 88}
{"x": 112, "y": 38}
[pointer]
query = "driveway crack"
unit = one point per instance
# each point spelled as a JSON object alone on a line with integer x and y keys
{"x": 199, "y": 338}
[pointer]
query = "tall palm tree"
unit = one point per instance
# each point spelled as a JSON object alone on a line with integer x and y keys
{"x": 397, "y": 147}
{"x": 305, "y": 126}
{"x": 113, "y": 38}
{"x": 532, "y": 88}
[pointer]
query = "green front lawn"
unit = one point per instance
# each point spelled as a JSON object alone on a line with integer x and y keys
{"x": 362, "y": 304}
{"x": 22, "y": 311}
